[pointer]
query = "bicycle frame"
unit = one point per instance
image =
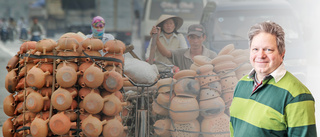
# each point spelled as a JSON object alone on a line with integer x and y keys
{"x": 142, "y": 111}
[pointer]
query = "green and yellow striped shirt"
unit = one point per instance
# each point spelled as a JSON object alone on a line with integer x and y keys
{"x": 276, "y": 109}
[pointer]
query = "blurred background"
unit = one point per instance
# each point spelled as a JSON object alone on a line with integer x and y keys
{"x": 131, "y": 21}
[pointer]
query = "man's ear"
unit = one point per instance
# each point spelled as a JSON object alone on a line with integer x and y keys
{"x": 204, "y": 36}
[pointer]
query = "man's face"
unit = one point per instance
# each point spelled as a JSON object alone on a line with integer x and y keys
{"x": 168, "y": 25}
{"x": 264, "y": 54}
{"x": 195, "y": 41}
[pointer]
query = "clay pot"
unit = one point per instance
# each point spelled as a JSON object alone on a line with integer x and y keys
{"x": 92, "y": 126}
{"x": 25, "y": 69}
{"x": 74, "y": 105}
{"x": 46, "y": 105}
{"x": 90, "y": 53}
{"x": 36, "y": 77}
{"x": 113, "y": 81}
{"x": 19, "y": 108}
{"x": 118, "y": 56}
{"x": 78, "y": 37}
{"x": 227, "y": 96}
{"x": 84, "y": 115}
{"x": 162, "y": 127}
{"x": 43, "y": 114}
{"x": 178, "y": 128}
{"x": 227, "y": 65}
{"x": 114, "y": 46}
{"x": 67, "y": 43}
{"x": 117, "y": 117}
{"x": 9, "y": 105}
{"x": 216, "y": 125}
{"x": 164, "y": 99}
{"x": 46, "y": 91}
{"x": 39, "y": 127}
{"x": 81, "y": 81}
{"x": 241, "y": 59}
{"x": 20, "y": 95}
{"x": 92, "y": 44}
{"x": 112, "y": 105}
{"x": 72, "y": 115}
{"x": 21, "y": 133}
{"x": 24, "y": 118}
{"x": 184, "y": 104}
{"x": 60, "y": 123}
{"x": 157, "y": 109}
{"x": 187, "y": 87}
{"x": 7, "y": 128}
{"x": 46, "y": 67}
{"x": 83, "y": 67}
{"x": 48, "y": 81}
{"x": 69, "y": 54}
{"x": 206, "y": 75}
{"x": 26, "y": 46}
{"x": 12, "y": 63}
{"x": 46, "y": 45}
{"x": 165, "y": 85}
{"x": 110, "y": 67}
{"x": 243, "y": 70}
{"x": 211, "y": 104}
{"x": 93, "y": 76}
{"x": 118, "y": 94}
{"x": 35, "y": 102}
{"x": 226, "y": 50}
{"x": 66, "y": 76}
{"x": 45, "y": 59}
{"x": 61, "y": 99}
{"x": 200, "y": 60}
{"x": 216, "y": 85}
{"x": 229, "y": 83}
{"x": 69, "y": 64}
{"x": 209, "y": 93}
{"x": 21, "y": 84}
{"x": 184, "y": 74}
{"x": 238, "y": 52}
{"x": 221, "y": 58}
{"x": 113, "y": 128}
{"x": 93, "y": 102}
{"x": 83, "y": 92}
{"x": 194, "y": 67}
{"x": 11, "y": 81}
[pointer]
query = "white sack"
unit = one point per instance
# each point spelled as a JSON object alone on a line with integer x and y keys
{"x": 140, "y": 72}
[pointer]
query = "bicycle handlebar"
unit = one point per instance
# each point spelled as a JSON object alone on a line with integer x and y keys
{"x": 140, "y": 85}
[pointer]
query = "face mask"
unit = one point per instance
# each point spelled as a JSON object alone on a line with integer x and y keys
{"x": 97, "y": 33}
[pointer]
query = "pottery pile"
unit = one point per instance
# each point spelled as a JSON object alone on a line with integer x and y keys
{"x": 65, "y": 87}
{"x": 196, "y": 101}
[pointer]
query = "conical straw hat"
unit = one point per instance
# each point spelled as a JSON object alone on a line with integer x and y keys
{"x": 177, "y": 19}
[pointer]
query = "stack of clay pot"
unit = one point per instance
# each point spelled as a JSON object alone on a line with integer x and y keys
{"x": 65, "y": 88}
{"x": 211, "y": 97}
{"x": 183, "y": 107}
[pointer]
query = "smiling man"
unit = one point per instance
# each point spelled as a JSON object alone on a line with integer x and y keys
{"x": 270, "y": 101}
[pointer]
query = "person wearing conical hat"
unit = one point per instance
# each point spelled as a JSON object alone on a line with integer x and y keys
{"x": 183, "y": 58}
{"x": 168, "y": 37}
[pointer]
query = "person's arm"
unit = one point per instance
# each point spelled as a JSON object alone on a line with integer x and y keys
{"x": 300, "y": 116}
{"x": 148, "y": 50}
{"x": 163, "y": 50}
{"x": 182, "y": 40}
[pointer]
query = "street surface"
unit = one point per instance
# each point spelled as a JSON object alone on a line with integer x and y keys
{"x": 9, "y": 49}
